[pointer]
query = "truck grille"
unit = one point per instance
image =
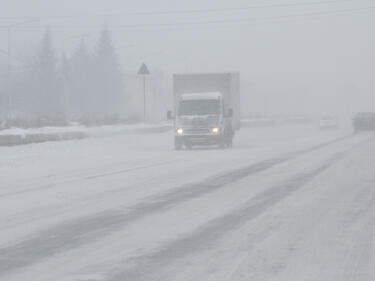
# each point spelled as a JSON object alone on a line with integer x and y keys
{"x": 197, "y": 131}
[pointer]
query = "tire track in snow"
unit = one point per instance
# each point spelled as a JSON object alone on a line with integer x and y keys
{"x": 150, "y": 267}
{"x": 101, "y": 175}
{"x": 72, "y": 234}
{"x": 358, "y": 259}
{"x": 358, "y": 230}
{"x": 351, "y": 240}
{"x": 95, "y": 176}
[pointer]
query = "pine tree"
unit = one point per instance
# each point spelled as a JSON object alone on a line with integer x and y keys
{"x": 81, "y": 82}
{"x": 66, "y": 85}
{"x": 45, "y": 83}
{"x": 108, "y": 79}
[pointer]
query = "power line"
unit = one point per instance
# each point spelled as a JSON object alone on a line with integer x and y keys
{"x": 235, "y": 9}
{"x": 193, "y": 11}
{"x": 216, "y": 22}
{"x": 248, "y": 20}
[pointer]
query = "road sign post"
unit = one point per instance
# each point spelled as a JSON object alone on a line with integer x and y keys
{"x": 144, "y": 72}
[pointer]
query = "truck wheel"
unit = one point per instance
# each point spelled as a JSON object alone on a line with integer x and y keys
{"x": 229, "y": 137}
{"x": 230, "y": 142}
{"x": 177, "y": 145}
{"x": 222, "y": 143}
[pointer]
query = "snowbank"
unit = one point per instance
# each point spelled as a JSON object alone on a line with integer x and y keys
{"x": 10, "y": 140}
{"x": 17, "y": 136}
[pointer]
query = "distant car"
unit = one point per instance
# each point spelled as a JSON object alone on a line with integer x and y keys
{"x": 328, "y": 122}
{"x": 364, "y": 121}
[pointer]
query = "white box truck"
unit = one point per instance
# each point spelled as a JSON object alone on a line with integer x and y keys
{"x": 206, "y": 109}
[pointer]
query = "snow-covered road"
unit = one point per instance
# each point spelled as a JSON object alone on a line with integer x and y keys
{"x": 287, "y": 203}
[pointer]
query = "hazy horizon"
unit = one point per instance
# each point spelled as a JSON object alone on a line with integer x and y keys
{"x": 322, "y": 62}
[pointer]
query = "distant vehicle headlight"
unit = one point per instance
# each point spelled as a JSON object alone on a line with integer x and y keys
{"x": 216, "y": 130}
{"x": 180, "y": 131}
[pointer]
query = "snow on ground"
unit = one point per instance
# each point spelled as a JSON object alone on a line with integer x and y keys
{"x": 43, "y": 130}
{"x": 64, "y": 173}
{"x": 128, "y": 207}
{"x": 106, "y": 130}
{"x": 17, "y": 136}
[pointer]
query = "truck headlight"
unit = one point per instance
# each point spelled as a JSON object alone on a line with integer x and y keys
{"x": 180, "y": 131}
{"x": 216, "y": 130}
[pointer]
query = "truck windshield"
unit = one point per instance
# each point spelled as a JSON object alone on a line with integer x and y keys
{"x": 199, "y": 107}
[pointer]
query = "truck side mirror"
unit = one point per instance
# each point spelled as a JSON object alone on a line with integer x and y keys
{"x": 230, "y": 112}
{"x": 169, "y": 115}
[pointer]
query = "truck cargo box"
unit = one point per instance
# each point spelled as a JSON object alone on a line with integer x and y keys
{"x": 228, "y": 84}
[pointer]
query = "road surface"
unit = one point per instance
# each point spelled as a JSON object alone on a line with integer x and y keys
{"x": 286, "y": 203}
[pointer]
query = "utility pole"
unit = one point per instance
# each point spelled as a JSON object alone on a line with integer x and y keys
{"x": 9, "y": 72}
{"x": 9, "y": 51}
{"x": 144, "y": 71}
{"x": 144, "y": 98}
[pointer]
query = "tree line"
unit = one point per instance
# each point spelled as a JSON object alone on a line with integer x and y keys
{"x": 86, "y": 87}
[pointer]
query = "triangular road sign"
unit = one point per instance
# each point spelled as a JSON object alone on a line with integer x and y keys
{"x": 143, "y": 70}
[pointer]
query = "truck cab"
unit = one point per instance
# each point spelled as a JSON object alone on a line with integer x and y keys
{"x": 202, "y": 119}
{"x": 206, "y": 109}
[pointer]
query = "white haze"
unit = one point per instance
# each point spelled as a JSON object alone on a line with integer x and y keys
{"x": 95, "y": 187}
{"x": 305, "y": 64}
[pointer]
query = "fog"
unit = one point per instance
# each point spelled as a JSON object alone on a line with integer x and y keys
{"x": 174, "y": 140}
{"x": 294, "y": 57}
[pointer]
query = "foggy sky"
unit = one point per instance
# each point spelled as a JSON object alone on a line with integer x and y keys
{"x": 322, "y": 63}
